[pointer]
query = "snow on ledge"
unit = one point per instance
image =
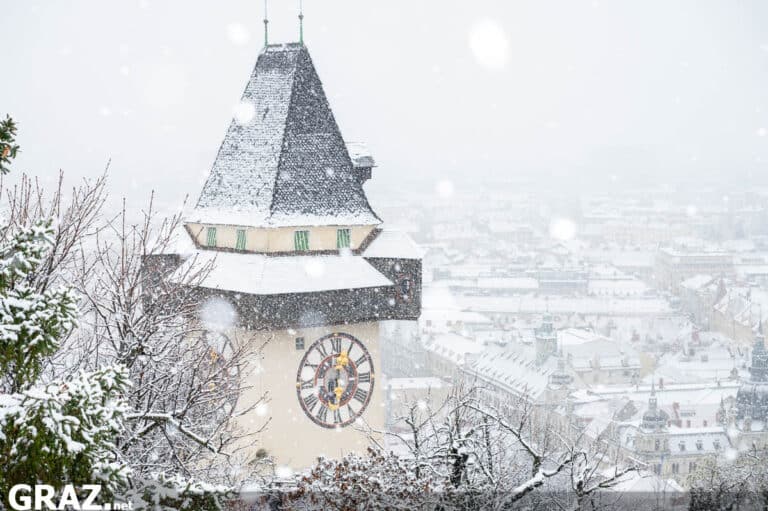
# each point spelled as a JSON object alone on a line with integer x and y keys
{"x": 263, "y": 275}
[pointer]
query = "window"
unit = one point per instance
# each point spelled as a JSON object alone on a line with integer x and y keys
{"x": 301, "y": 240}
{"x": 211, "y": 237}
{"x": 299, "y": 343}
{"x": 240, "y": 243}
{"x": 691, "y": 467}
{"x": 682, "y": 445}
{"x": 342, "y": 238}
{"x": 699, "y": 445}
{"x": 675, "y": 468}
{"x": 656, "y": 445}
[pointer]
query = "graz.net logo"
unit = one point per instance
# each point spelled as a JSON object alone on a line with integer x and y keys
{"x": 24, "y": 497}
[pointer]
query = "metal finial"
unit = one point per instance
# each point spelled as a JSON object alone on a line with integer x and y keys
{"x": 266, "y": 25}
{"x": 301, "y": 21}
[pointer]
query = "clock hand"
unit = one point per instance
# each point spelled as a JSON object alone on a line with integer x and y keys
{"x": 342, "y": 360}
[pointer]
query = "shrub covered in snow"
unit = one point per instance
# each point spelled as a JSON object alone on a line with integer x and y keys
{"x": 376, "y": 481}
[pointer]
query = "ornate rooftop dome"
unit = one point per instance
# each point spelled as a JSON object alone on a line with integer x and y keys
{"x": 654, "y": 419}
{"x": 752, "y": 397}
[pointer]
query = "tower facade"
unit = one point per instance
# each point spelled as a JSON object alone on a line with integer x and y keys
{"x": 304, "y": 262}
{"x": 545, "y": 339}
{"x": 752, "y": 397}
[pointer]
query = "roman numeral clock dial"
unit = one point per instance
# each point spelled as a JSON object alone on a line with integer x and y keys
{"x": 334, "y": 382}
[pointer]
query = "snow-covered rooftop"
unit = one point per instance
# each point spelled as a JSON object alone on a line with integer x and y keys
{"x": 513, "y": 367}
{"x": 528, "y": 304}
{"x": 426, "y": 382}
{"x": 584, "y": 349}
{"x": 684, "y": 394}
{"x": 264, "y": 275}
{"x": 696, "y": 282}
{"x": 393, "y": 244}
{"x": 283, "y": 161}
{"x": 453, "y": 346}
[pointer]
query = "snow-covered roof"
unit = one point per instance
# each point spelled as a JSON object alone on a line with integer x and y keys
{"x": 446, "y": 315}
{"x": 426, "y": 382}
{"x": 393, "y": 244}
{"x": 627, "y": 286}
{"x": 507, "y": 283}
{"x": 180, "y": 243}
{"x": 744, "y": 304}
{"x": 513, "y": 367}
{"x": 697, "y": 440}
{"x": 707, "y": 363}
{"x": 584, "y": 348}
{"x": 696, "y": 282}
{"x": 528, "y": 304}
{"x": 686, "y": 395}
{"x": 283, "y": 161}
{"x": 751, "y": 270}
{"x": 264, "y": 275}
{"x": 453, "y": 346}
{"x": 439, "y": 297}
{"x": 643, "y": 483}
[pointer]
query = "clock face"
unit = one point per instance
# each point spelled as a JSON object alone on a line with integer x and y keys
{"x": 334, "y": 382}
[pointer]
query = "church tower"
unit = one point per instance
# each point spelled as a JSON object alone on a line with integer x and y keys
{"x": 752, "y": 397}
{"x": 305, "y": 263}
{"x": 652, "y": 438}
{"x": 545, "y": 339}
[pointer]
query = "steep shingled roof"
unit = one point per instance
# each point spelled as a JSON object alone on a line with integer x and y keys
{"x": 289, "y": 165}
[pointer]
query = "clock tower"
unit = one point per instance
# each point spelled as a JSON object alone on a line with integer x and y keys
{"x": 304, "y": 262}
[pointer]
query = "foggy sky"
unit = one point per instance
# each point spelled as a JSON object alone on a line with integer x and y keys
{"x": 582, "y": 89}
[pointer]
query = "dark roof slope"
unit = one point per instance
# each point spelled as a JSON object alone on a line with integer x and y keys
{"x": 288, "y": 165}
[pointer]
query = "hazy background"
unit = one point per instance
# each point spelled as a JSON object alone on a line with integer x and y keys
{"x": 586, "y": 90}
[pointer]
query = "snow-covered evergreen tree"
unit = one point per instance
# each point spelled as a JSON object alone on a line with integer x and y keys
{"x": 63, "y": 431}
{"x": 63, "y": 422}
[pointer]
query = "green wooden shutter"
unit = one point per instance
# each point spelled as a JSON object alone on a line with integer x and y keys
{"x": 342, "y": 238}
{"x": 211, "y": 240}
{"x": 301, "y": 240}
{"x": 240, "y": 244}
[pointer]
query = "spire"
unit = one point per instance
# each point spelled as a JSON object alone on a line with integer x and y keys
{"x": 301, "y": 21}
{"x": 759, "y": 367}
{"x": 759, "y": 337}
{"x": 266, "y": 25}
{"x": 653, "y": 418}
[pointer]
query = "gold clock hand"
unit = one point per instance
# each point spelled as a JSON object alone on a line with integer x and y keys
{"x": 342, "y": 360}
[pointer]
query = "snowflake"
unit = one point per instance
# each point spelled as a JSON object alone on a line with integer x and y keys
{"x": 489, "y": 44}
{"x": 244, "y": 112}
